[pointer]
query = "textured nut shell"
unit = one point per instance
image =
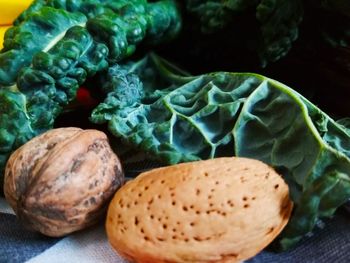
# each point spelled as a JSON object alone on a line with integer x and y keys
{"x": 220, "y": 210}
{"x": 62, "y": 180}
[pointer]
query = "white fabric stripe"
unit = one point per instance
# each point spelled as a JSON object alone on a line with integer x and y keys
{"x": 5, "y": 207}
{"x": 88, "y": 246}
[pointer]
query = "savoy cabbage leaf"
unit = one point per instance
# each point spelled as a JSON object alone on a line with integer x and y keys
{"x": 180, "y": 118}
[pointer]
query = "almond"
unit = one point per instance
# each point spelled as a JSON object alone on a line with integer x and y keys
{"x": 219, "y": 210}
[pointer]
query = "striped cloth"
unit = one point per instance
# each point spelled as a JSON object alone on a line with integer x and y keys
{"x": 20, "y": 245}
{"x": 329, "y": 243}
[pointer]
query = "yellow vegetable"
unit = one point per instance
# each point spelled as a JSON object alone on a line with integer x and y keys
{"x": 2, "y": 33}
{"x": 10, "y": 9}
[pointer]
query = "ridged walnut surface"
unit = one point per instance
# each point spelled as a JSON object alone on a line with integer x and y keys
{"x": 61, "y": 181}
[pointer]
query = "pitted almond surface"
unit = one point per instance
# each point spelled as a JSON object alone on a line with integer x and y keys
{"x": 220, "y": 210}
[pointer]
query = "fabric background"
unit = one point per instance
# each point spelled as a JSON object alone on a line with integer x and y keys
{"x": 329, "y": 243}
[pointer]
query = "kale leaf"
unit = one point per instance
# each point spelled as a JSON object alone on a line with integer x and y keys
{"x": 55, "y": 76}
{"x": 52, "y": 73}
{"x": 40, "y": 32}
{"x": 215, "y": 15}
{"x": 277, "y": 21}
{"x": 90, "y": 8}
{"x": 35, "y": 6}
{"x": 334, "y": 21}
{"x": 15, "y": 127}
{"x": 339, "y": 6}
{"x": 180, "y": 118}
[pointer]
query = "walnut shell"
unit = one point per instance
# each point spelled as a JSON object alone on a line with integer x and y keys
{"x": 62, "y": 180}
{"x": 220, "y": 210}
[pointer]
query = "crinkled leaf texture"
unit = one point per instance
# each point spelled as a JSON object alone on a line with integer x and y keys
{"x": 180, "y": 118}
{"x": 39, "y": 32}
{"x": 46, "y": 87}
{"x": 119, "y": 24}
{"x": 217, "y": 14}
{"x": 60, "y": 53}
{"x": 90, "y": 8}
{"x": 277, "y": 22}
{"x": 15, "y": 128}
{"x": 339, "y": 6}
{"x": 333, "y": 22}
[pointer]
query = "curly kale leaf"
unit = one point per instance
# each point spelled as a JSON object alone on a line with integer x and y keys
{"x": 15, "y": 128}
{"x": 35, "y": 6}
{"x": 122, "y": 89}
{"x": 338, "y": 6}
{"x": 333, "y": 18}
{"x": 39, "y": 33}
{"x": 215, "y": 15}
{"x": 89, "y": 8}
{"x": 46, "y": 87}
{"x": 224, "y": 114}
{"x": 337, "y": 34}
{"x": 279, "y": 21}
{"x": 53, "y": 75}
{"x": 122, "y": 31}
{"x": 124, "y": 23}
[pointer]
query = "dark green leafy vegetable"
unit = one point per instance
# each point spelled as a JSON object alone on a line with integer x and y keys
{"x": 278, "y": 22}
{"x": 15, "y": 128}
{"x": 89, "y": 8}
{"x": 54, "y": 75}
{"x": 45, "y": 22}
{"x": 282, "y": 128}
{"x": 218, "y": 14}
{"x": 224, "y": 114}
{"x": 152, "y": 22}
{"x": 341, "y": 6}
{"x": 40, "y": 32}
{"x": 334, "y": 21}
{"x": 273, "y": 25}
{"x": 46, "y": 87}
{"x": 35, "y": 6}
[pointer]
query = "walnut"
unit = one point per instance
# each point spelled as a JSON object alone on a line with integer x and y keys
{"x": 62, "y": 180}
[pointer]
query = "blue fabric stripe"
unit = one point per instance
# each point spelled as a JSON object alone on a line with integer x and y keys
{"x": 329, "y": 244}
{"x": 18, "y": 244}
